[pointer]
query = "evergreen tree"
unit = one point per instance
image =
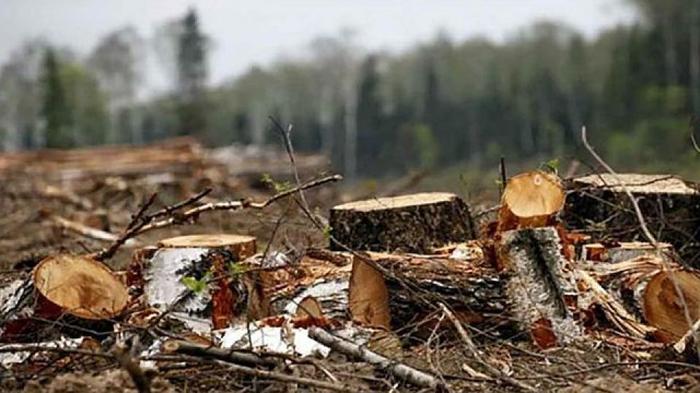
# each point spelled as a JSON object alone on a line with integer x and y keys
{"x": 55, "y": 110}
{"x": 192, "y": 76}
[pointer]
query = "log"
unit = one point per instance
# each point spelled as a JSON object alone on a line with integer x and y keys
{"x": 199, "y": 279}
{"x": 648, "y": 288}
{"x": 473, "y": 289}
{"x": 530, "y": 200}
{"x": 78, "y": 286}
{"x": 598, "y": 205}
{"x": 538, "y": 287}
{"x": 79, "y": 291}
{"x": 410, "y": 223}
{"x": 399, "y": 370}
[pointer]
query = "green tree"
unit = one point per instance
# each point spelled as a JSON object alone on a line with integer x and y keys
{"x": 192, "y": 76}
{"x": 55, "y": 111}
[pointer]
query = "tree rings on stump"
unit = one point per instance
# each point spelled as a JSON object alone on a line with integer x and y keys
{"x": 664, "y": 308}
{"x": 80, "y": 286}
{"x": 411, "y": 223}
{"x": 530, "y": 200}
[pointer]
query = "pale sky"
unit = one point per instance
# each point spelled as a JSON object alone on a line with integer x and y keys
{"x": 247, "y": 32}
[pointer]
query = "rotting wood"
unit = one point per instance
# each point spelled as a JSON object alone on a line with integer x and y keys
{"x": 409, "y": 223}
{"x": 598, "y": 205}
{"x": 539, "y": 288}
{"x": 397, "y": 369}
{"x": 530, "y": 200}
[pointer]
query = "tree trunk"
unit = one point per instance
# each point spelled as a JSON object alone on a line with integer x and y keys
{"x": 410, "y": 223}
{"x": 538, "y": 286}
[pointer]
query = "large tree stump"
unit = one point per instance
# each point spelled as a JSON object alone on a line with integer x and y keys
{"x": 409, "y": 223}
{"x": 539, "y": 289}
{"x": 199, "y": 279}
{"x": 598, "y": 205}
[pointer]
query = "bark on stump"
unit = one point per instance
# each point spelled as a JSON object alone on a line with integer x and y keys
{"x": 409, "y": 223}
{"x": 598, "y": 205}
{"x": 539, "y": 289}
{"x": 199, "y": 279}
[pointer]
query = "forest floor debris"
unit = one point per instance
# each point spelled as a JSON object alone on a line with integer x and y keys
{"x": 399, "y": 293}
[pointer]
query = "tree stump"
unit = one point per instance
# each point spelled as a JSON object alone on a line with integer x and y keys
{"x": 598, "y": 206}
{"x": 530, "y": 200}
{"x": 77, "y": 290}
{"x": 537, "y": 287}
{"x": 199, "y": 279}
{"x": 410, "y": 223}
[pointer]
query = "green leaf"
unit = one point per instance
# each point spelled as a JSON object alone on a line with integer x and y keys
{"x": 196, "y": 285}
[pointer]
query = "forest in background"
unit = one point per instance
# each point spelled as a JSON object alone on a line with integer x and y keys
{"x": 441, "y": 104}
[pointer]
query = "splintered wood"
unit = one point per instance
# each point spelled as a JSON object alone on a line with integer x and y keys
{"x": 408, "y": 223}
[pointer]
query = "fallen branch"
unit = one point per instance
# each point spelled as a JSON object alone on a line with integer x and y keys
{"x": 193, "y": 213}
{"x": 83, "y": 229}
{"x": 275, "y": 376}
{"x": 399, "y": 370}
{"x": 210, "y": 352}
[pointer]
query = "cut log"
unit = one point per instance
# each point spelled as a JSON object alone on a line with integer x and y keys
{"x": 79, "y": 291}
{"x": 79, "y": 286}
{"x": 655, "y": 295}
{"x": 473, "y": 289}
{"x": 530, "y": 200}
{"x": 410, "y": 223}
{"x": 538, "y": 287}
{"x": 598, "y": 205}
{"x": 199, "y": 279}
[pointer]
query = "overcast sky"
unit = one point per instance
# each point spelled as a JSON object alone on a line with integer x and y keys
{"x": 247, "y": 32}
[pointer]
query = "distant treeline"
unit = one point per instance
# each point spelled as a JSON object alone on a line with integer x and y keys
{"x": 438, "y": 104}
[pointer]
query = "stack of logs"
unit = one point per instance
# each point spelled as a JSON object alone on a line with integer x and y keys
{"x": 391, "y": 263}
